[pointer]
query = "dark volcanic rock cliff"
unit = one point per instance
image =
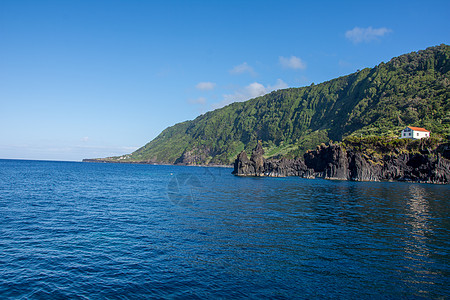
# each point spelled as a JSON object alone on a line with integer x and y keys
{"x": 336, "y": 162}
{"x": 255, "y": 166}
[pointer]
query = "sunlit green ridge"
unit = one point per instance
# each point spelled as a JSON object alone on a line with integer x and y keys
{"x": 412, "y": 89}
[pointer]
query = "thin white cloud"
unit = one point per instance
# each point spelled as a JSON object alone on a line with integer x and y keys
{"x": 359, "y": 35}
{"x": 252, "y": 90}
{"x": 85, "y": 139}
{"x": 243, "y": 68}
{"x": 280, "y": 84}
{"x": 292, "y": 62}
{"x": 205, "y": 86}
{"x": 344, "y": 64}
{"x": 200, "y": 100}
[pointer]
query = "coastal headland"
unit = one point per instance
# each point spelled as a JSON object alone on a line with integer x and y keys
{"x": 368, "y": 159}
{"x": 323, "y": 130}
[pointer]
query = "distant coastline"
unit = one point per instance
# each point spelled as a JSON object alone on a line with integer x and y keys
{"x": 101, "y": 160}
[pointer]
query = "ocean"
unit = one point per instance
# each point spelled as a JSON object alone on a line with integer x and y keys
{"x": 71, "y": 230}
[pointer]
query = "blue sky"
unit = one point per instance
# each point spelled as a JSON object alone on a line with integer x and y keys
{"x": 83, "y": 79}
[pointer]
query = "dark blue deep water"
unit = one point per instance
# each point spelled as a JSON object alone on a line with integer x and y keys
{"x": 116, "y": 231}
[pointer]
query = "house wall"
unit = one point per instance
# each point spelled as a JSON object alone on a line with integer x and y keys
{"x": 406, "y": 134}
{"x": 419, "y": 134}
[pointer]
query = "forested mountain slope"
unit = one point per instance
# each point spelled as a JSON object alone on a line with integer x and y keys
{"x": 412, "y": 89}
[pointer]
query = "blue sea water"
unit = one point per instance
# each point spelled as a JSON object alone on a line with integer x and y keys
{"x": 117, "y": 231}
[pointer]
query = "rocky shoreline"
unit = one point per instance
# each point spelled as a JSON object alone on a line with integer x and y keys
{"x": 335, "y": 161}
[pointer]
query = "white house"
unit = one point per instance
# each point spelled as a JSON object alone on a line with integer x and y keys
{"x": 415, "y": 133}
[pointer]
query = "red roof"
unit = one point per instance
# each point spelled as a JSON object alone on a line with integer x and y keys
{"x": 417, "y": 129}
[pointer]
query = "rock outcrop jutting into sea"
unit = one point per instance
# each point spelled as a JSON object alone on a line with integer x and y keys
{"x": 334, "y": 161}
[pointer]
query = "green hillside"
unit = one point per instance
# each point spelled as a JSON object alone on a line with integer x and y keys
{"x": 412, "y": 89}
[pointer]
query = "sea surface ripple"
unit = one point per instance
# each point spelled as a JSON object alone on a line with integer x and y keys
{"x": 118, "y": 231}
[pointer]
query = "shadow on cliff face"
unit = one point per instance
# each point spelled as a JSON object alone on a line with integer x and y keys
{"x": 351, "y": 163}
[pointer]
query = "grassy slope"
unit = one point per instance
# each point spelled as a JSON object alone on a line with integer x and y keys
{"x": 413, "y": 89}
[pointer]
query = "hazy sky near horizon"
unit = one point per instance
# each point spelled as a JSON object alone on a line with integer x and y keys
{"x": 84, "y": 79}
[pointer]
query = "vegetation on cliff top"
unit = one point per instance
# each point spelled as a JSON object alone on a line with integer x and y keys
{"x": 395, "y": 146}
{"x": 412, "y": 89}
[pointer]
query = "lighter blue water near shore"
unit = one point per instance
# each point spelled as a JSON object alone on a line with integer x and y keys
{"x": 93, "y": 231}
